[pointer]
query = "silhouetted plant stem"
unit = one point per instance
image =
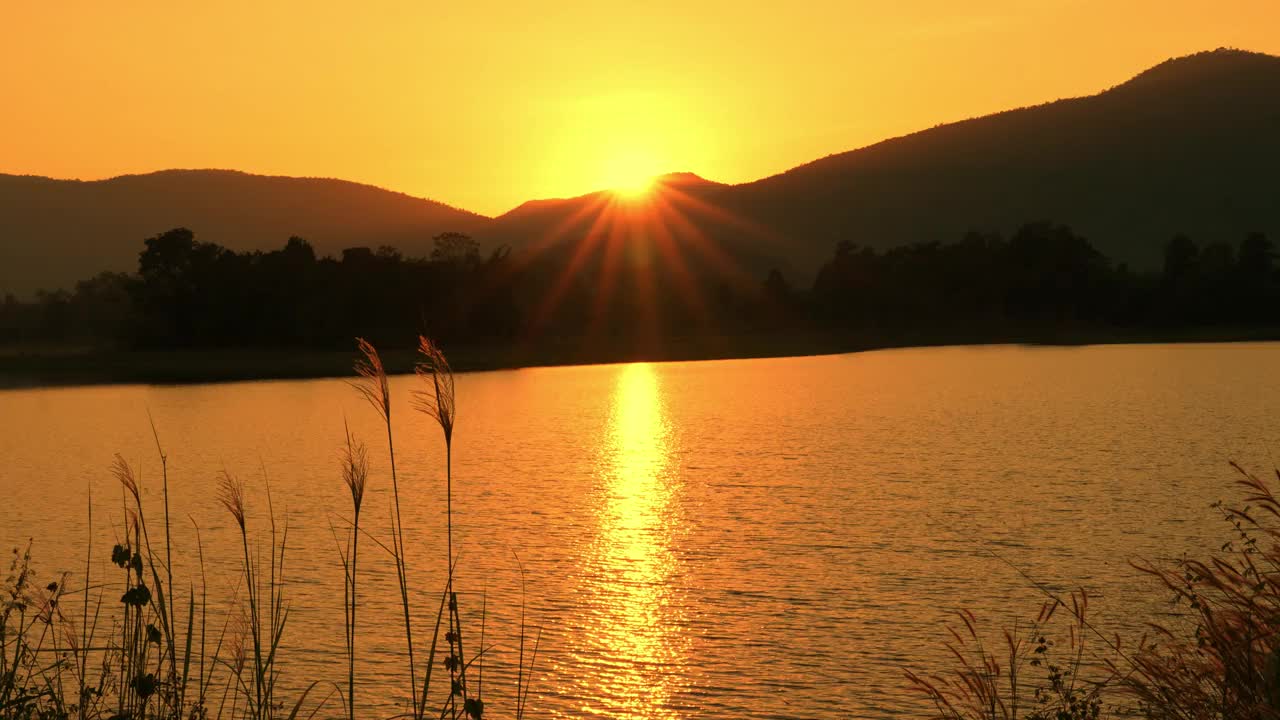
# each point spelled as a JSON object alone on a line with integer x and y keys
{"x": 130, "y": 483}
{"x": 431, "y": 656}
{"x": 253, "y": 622}
{"x": 438, "y": 401}
{"x": 355, "y": 472}
{"x": 448, "y": 485}
{"x": 84, "y": 619}
{"x": 168, "y": 552}
{"x": 401, "y": 565}
{"x": 351, "y": 633}
{"x": 204, "y": 618}
{"x": 374, "y": 387}
{"x": 231, "y": 495}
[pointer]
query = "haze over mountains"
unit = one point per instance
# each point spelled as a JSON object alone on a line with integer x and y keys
{"x": 55, "y": 232}
{"x": 1191, "y": 145}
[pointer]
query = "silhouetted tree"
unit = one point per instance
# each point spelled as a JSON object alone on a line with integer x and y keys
{"x": 298, "y": 252}
{"x": 452, "y": 247}
{"x": 1256, "y": 278}
{"x": 102, "y": 307}
{"x": 1044, "y": 279}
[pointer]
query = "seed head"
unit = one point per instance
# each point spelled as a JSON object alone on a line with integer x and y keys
{"x": 372, "y": 381}
{"x": 125, "y": 475}
{"x": 437, "y": 399}
{"x": 355, "y": 469}
{"x": 231, "y": 495}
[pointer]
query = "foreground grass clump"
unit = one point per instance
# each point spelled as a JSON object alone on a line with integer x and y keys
{"x": 76, "y": 653}
{"x": 1220, "y": 661}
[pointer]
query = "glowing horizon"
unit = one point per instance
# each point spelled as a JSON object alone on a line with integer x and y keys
{"x": 486, "y": 106}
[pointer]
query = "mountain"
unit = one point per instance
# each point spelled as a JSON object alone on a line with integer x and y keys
{"x": 55, "y": 232}
{"x": 1191, "y": 145}
{"x": 679, "y": 230}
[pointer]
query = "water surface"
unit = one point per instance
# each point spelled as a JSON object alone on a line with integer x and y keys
{"x": 746, "y": 538}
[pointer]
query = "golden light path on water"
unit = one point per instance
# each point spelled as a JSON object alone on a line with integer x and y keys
{"x": 638, "y": 629}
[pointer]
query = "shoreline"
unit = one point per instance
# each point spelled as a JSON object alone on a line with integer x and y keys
{"x": 63, "y": 367}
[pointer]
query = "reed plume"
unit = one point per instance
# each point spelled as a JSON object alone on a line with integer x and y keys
{"x": 231, "y": 495}
{"x": 355, "y": 470}
{"x": 123, "y": 473}
{"x": 437, "y": 400}
{"x": 372, "y": 382}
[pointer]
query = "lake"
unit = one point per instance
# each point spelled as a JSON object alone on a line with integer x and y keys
{"x": 743, "y": 538}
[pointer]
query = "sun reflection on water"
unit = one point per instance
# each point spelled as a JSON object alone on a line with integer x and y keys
{"x": 638, "y": 631}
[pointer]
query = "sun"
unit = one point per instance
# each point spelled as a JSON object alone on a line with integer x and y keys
{"x": 629, "y": 172}
{"x": 633, "y": 187}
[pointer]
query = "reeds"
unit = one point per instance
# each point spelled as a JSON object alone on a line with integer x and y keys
{"x": 1225, "y": 661}
{"x": 29, "y": 620}
{"x": 263, "y": 617}
{"x": 145, "y": 668}
{"x": 171, "y": 667}
{"x": 160, "y": 661}
{"x": 437, "y": 399}
{"x": 993, "y": 684}
{"x": 1219, "y": 660}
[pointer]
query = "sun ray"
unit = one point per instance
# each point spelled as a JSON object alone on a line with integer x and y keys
{"x": 685, "y": 282}
{"x": 562, "y": 229}
{"x": 650, "y": 252}
{"x": 720, "y": 260}
{"x": 609, "y": 267}
{"x": 581, "y": 254}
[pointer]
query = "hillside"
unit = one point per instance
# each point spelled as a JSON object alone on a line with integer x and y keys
{"x": 55, "y": 232}
{"x": 1191, "y": 145}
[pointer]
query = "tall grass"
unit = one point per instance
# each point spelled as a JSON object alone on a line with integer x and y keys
{"x": 1023, "y": 675}
{"x": 1218, "y": 659}
{"x": 374, "y": 386}
{"x": 156, "y": 662}
{"x": 1224, "y": 662}
{"x": 437, "y": 399}
{"x": 267, "y": 615}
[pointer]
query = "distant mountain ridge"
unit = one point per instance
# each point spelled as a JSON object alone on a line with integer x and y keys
{"x": 1190, "y": 145}
{"x": 55, "y": 232}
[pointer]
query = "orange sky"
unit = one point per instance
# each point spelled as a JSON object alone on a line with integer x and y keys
{"x": 484, "y": 105}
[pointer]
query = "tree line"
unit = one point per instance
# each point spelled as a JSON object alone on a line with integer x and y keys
{"x": 188, "y": 293}
{"x": 1045, "y": 277}
{"x": 1042, "y": 279}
